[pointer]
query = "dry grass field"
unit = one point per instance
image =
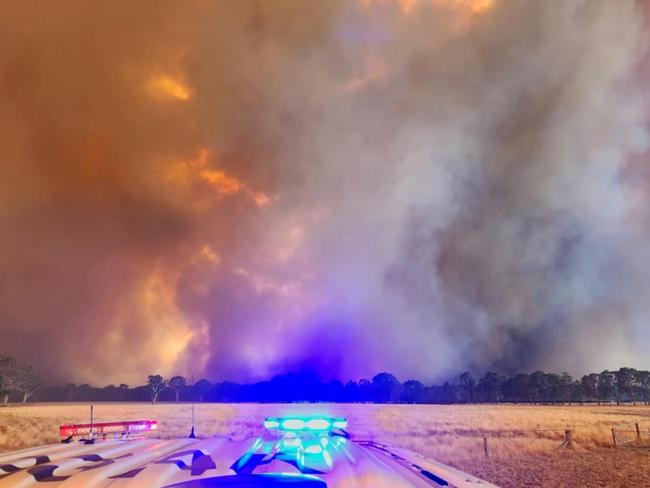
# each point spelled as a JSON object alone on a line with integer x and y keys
{"x": 523, "y": 441}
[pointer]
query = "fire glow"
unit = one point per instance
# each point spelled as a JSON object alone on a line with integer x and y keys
{"x": 167, "y": 87}
{"x": 224, "y": 184}
{"x": 468, "y": 6}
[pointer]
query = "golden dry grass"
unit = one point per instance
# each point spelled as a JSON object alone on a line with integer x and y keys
{"x": 523, "y": 441}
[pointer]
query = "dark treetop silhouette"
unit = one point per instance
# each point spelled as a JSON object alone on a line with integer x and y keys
{"x": 19, "y": 383}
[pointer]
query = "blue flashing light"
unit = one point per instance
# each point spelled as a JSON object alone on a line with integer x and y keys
{"x": 305, "y": 424}
{"x": 313, "y": 449}
{"x": 318, "y": 424}
{"x": 294, "y": 424}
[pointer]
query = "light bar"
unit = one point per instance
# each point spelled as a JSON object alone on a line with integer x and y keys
{"x": 293, "y": 424}
{"x": 305, "y": 424}
{"x": 319, "y": 424}
{"x": 271, "y": 424}
{"x": 106, "y": 428}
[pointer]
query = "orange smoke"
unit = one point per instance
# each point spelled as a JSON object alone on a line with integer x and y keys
{"x": 468, "y": 6}
{"x": 167, "y": 87}
{"x": 225, "y": 185}
{"x": 474, "y": 6}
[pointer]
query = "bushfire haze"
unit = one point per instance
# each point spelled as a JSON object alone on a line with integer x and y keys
{"x": 235, "y": 189}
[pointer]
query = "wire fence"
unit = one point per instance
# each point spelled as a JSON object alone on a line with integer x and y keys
{"x": 631, "y": 436}
{"x": 622, "y": 436}
{"x": 557, "y": 438}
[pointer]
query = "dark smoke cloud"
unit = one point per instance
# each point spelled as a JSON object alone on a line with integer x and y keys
{"x": 237, "y": 189}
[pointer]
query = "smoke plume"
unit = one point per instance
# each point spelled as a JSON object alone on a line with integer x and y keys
{"x": 239, "y": 189}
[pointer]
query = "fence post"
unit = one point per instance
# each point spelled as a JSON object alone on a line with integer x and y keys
{"x": 485, "y": 447}
{"x": 568, "y": 439}
{"x": 614, "y": 438}
{"x": 638, "y": 432}
{"x": 567, "y": 443}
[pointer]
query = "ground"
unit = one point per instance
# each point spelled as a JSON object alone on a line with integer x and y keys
{"x": 523, "y": 441}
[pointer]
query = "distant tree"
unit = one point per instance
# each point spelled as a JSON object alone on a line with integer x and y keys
{"x": 85, "y": 392}
{"x": 365, "y": 390}
{"x": 201, "y": 388}
{"x": 70, "y": 392}
{"x": 624, "y": 384}
{"x": 508, "y": 390}
{"x": 467, "y": 382}
{"x": 643, "y": 380}
{"x": 412, "y": 392}
{"x": 26, "y": 382}
{"x": 589, "y": 386}
{"x": 537, "y": 386}
{"x": 177, "y": 383}
{"x": 386, "y": 388}
{"x": 576, "y": 394}
{"x": 9, "y": 372}
{"x": 520, "y": 389}
{"x": 124, "y": 391}
{"x": 17, "y": 377}
{"x": 549, "y": 385}
{"x": 564, "y": 388}
{"x": 448, "y": 393}
{"x": 490, "y": 386}
{"x": 605, "y": 386}
{"x": 229, "y": 392}
{"x": 351, "y": 391}
{"x": 156, "y": 385}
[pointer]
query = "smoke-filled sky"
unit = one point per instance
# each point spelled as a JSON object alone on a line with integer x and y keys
{"x": 236, "y": 189}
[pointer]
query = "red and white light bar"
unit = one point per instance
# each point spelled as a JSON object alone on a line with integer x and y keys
{"x": 109, "y": 428}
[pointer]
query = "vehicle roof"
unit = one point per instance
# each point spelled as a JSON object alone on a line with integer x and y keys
{"x": 221, "y": 462}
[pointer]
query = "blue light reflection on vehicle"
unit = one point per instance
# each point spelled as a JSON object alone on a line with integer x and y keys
{"x": 309, "y": 444}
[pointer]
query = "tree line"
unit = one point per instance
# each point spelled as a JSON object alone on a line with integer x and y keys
{"x": 626, "y": 385}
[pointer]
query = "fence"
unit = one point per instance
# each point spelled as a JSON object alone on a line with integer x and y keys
{"x": 631, "y": 437}
{"x": 562, "y": 437}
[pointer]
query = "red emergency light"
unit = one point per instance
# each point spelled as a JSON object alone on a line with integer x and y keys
{"x": 104, "y": 429}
